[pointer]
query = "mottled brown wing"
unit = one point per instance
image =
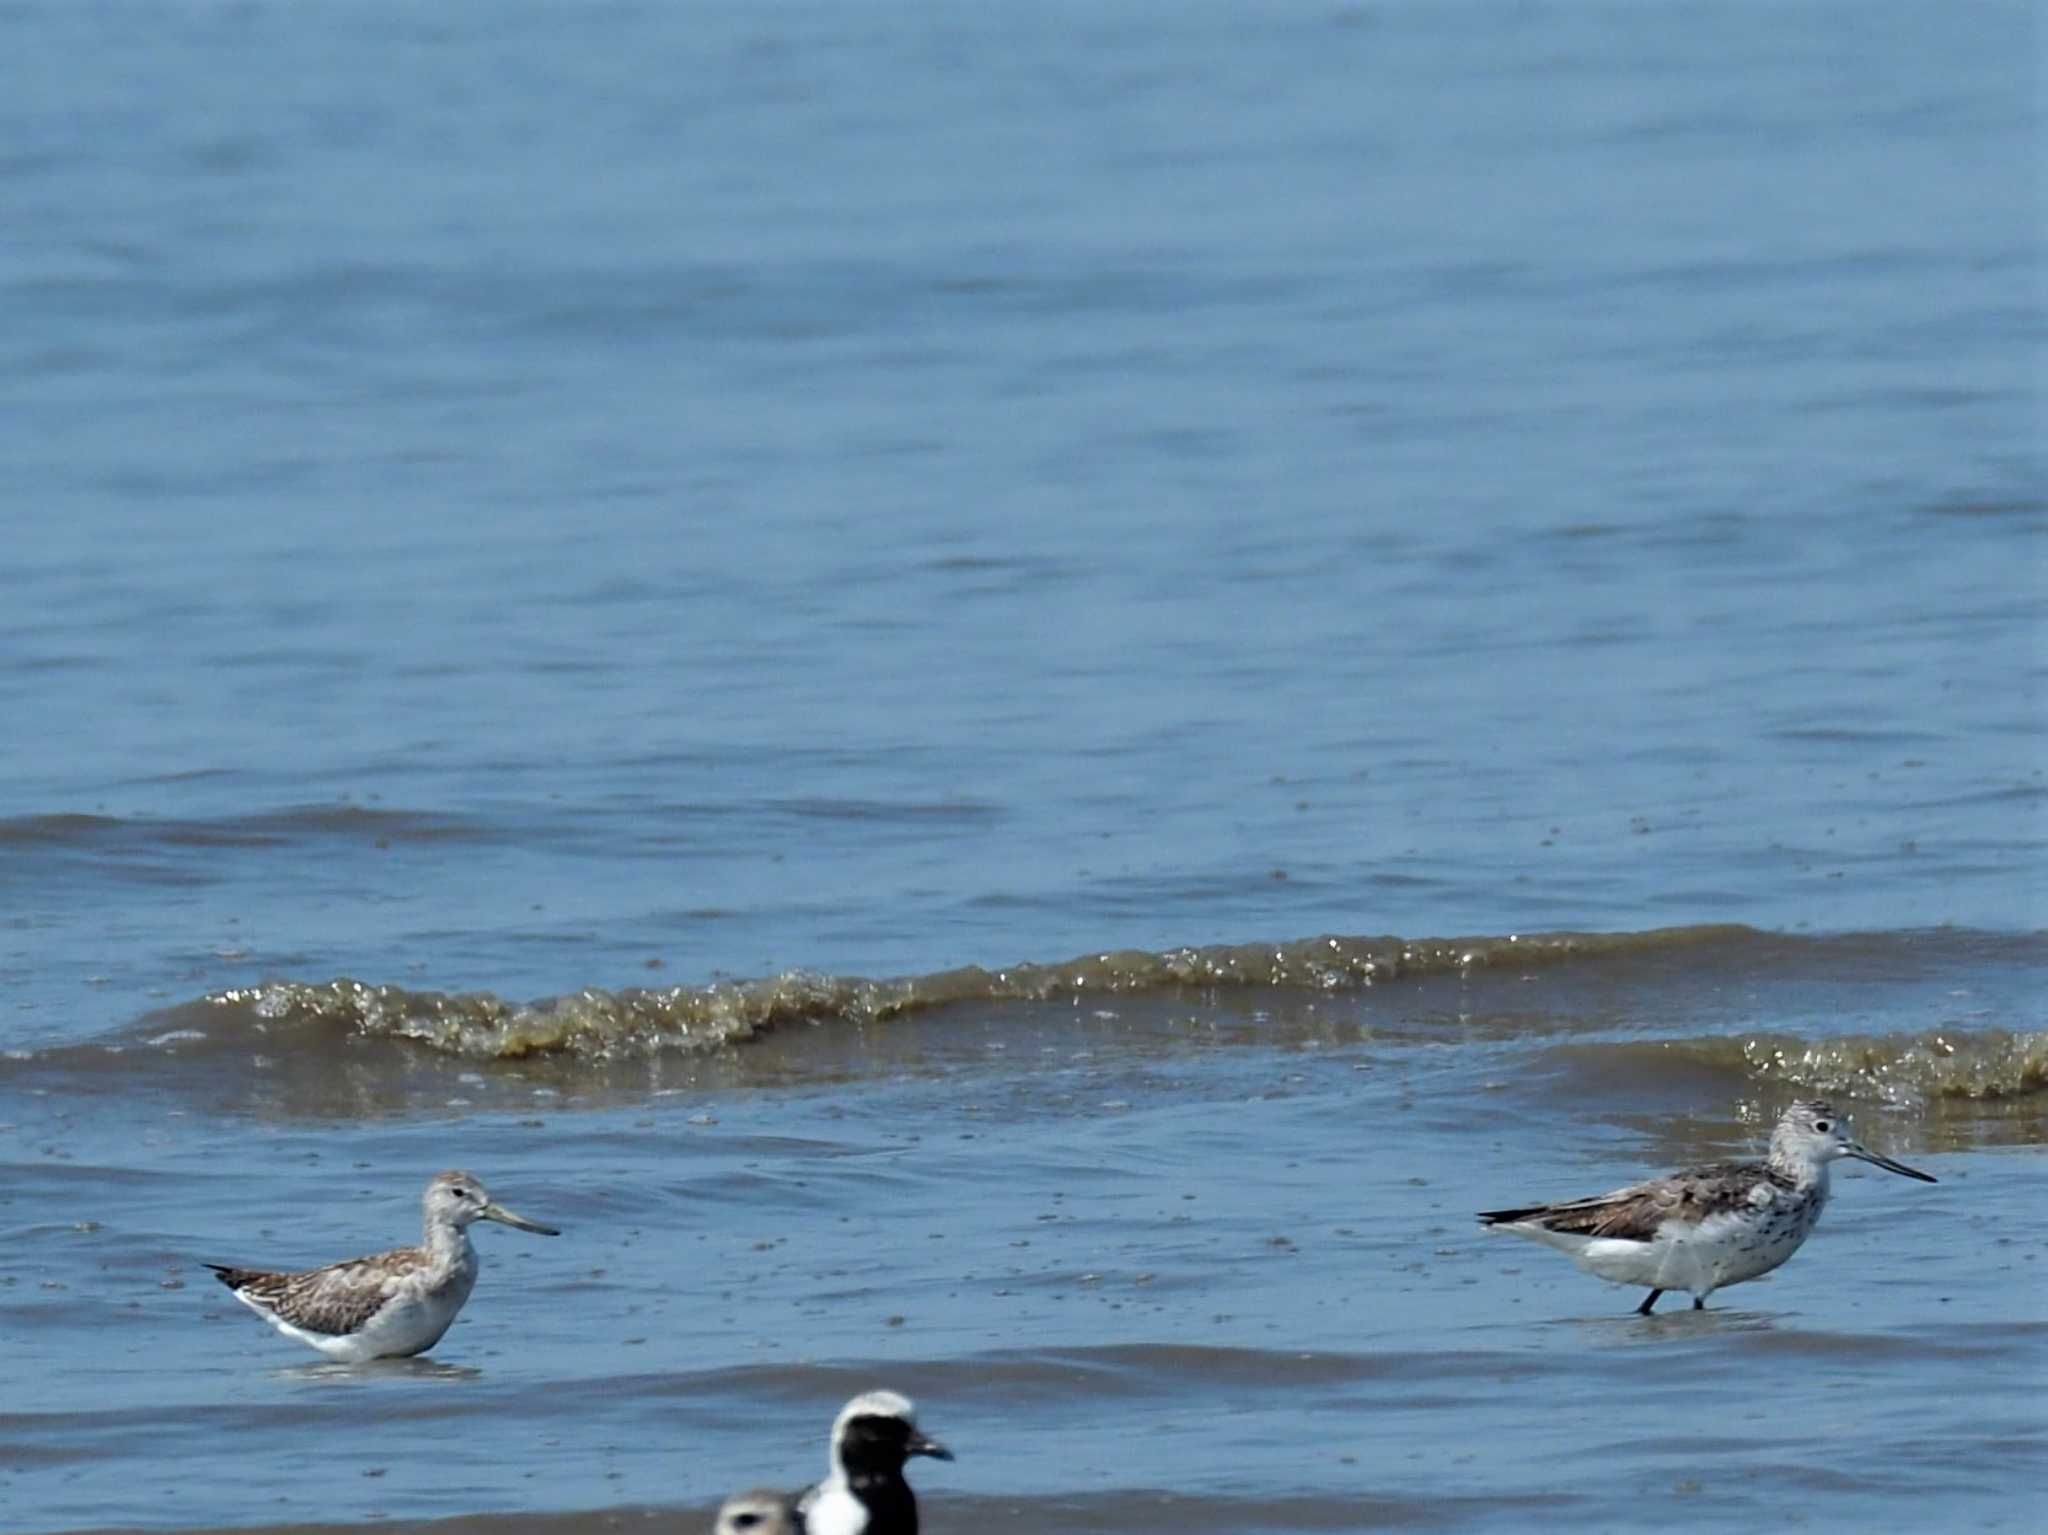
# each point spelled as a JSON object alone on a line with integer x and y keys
{"x": 1635, "y": 1213}
{"x": 336, "y": 1300}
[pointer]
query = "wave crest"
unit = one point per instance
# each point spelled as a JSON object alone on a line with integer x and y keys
{"x": 598, "y": 1023}
{"x": 1907, "y": 1068}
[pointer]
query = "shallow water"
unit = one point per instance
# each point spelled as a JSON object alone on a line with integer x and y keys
{"x": 1010, "y": 699}
{"x": 1192, "y": 1255}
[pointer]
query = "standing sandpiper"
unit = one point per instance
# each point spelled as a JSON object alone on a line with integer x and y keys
{"x": 391, "y": 1304}
{"x": 1709, "y": 1226}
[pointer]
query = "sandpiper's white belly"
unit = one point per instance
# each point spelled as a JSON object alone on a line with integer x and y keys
{"x": 1721, "y": 1250}
{"x": 412, "y": 1322}
{"x": 1699, "y": 1257}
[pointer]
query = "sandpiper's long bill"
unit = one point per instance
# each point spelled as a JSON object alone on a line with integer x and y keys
{"x": 390, "y": 1304}
{"x": 1708, "y": 1227}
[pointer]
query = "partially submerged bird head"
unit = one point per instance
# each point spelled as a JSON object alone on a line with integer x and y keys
{"x": 760, "y": 1512}
{"x": 876, "y": 1433}
{"x": 457, "y": 1198}
{"x": 1815, "y": 1133}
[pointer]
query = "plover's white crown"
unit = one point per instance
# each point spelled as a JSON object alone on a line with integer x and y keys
{"x": 874, "y": 1404}
{"x": 864, "y": 1491}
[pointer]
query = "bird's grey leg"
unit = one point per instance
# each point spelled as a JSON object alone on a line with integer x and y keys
{"x": 1648, "y": 1301}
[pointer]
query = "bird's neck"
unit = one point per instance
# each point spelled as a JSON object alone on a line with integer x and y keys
{"x": 891, "y": 1506}
{"x": 1806, "y": 1173}
{"x": 448, "y": 1246}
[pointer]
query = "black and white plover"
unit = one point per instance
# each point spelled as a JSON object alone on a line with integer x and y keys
{"x": 863, "y": 1493}
{"x": 390, "y": 1304}
{"x": 1707, "y": 1227}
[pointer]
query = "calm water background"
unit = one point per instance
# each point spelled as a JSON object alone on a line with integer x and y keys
{"x": 570, "y": 504}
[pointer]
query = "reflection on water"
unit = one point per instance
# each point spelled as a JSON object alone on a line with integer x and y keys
{"x": 1680, "y": 1324}
{"x": 333, "y": 1373}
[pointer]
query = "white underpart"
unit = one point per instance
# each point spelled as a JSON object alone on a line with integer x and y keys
{"x": 420, "y": 1310}
{"x": 1697, "y": 1256}
{"x": 830, "y": 1508}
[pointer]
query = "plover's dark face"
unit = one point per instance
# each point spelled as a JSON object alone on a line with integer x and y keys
{"x": 876, "y": 1433}
{"x": 878, "y": 1444}
{"x": 866, "y": 1493}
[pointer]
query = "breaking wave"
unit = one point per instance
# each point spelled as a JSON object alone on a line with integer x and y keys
{"x": 1901, "y": 1068}
{"x": 601, "y": 1023}
{"x": 1594, "y": 1016}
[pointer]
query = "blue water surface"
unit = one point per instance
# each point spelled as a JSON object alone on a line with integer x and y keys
{"x": 505, "y": 495}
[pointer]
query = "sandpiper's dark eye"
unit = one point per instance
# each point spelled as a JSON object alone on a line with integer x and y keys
{"x": 1823, "y": 1125}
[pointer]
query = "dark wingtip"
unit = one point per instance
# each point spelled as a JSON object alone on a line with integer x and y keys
{"x": 233, "y": 1278}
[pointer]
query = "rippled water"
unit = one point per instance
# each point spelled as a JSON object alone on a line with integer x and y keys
{"x": 1010, "y": 697}
{"x": 1194, "y": 1257}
